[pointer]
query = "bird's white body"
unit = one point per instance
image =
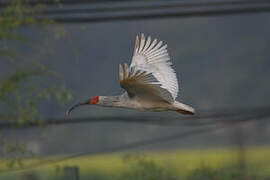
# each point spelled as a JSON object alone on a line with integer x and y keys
{"x": 135, "y": 103}
{"x": 124, "y": 101}
{"x": 150, "y": 81}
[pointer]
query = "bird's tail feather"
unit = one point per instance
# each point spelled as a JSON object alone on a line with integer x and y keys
{"x": 183, "y": 108}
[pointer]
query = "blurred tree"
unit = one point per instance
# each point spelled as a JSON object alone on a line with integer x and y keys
{"x": 21, "y": 93}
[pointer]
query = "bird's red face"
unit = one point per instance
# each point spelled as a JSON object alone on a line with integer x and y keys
{"x": 94, "y": 100}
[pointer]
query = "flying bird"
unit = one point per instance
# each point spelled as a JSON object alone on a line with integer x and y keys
{"x": 150, "y": 82}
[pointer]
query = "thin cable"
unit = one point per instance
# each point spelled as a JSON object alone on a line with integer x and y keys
{"x": 157, "y": 5}
{"x": 116, "y": 148}
{"x": 133, "y": 145}
{"x": 155, "y": 10}
{"x": 57, "y": 2}
{"x": 205, "y": 118}
{"x": 158, "y": 15}
{"x": 84, "y": 2}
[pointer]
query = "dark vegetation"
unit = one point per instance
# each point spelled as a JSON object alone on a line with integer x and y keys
{"x": 26, "y": 82}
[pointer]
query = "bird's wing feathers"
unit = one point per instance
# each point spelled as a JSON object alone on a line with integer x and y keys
{"x": 152, "y": 56}
{"x": 142, "y": 83}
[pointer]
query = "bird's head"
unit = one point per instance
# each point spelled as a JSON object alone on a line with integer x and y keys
{"x": 92, "y": 101}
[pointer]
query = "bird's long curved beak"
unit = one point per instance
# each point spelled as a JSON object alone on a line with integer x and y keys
{"x": 75, "y": 106}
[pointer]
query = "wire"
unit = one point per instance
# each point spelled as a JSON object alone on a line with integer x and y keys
{"x": 117, "y": 148}
{"x": 153, "y": 10}
{"x": 83, "y": 2}
{"x": 143, "y": 143}
{"x": 56, "y": 2}
{"x": 224, "y": 116}
{"x": 128, "y": 146}
{"x": 159, "y": 15}
{"x": 157, "y": 5}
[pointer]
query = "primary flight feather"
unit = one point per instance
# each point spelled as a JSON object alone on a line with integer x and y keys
{"x": 150, "y": 81}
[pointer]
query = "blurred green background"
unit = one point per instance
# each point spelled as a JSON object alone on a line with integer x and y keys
{"x": 47, "y": 65}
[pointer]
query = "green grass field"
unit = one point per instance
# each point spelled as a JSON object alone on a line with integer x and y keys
{"x": 181, "y": 163}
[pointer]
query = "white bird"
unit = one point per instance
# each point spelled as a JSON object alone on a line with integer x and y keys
{"x": 150, "y": 82}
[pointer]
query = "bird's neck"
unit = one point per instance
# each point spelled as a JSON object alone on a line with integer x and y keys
{"x": 110, "y": 101}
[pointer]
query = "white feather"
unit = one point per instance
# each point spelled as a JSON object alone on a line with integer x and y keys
{"x": 147, "y": 43}
{"x": 153, "y": 57}
{"x": 143, "y": 84}
{"x": 142, "y": 43}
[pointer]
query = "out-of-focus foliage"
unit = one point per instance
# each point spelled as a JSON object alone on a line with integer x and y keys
{"x": 12, "y": 17}
{"x": 142, "y": 168}
{"x": 21, "y": 90}
{"x": 224, "y": 173}
{"x": 210, "y": 164}
{"x": 13, "y": 153}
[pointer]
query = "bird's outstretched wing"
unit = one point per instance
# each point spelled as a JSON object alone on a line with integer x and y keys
{"x": 152, "y": 56}
{"x": 142, "y": 83}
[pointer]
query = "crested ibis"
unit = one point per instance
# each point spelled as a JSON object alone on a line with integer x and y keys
{"x": 150, "y": 82}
